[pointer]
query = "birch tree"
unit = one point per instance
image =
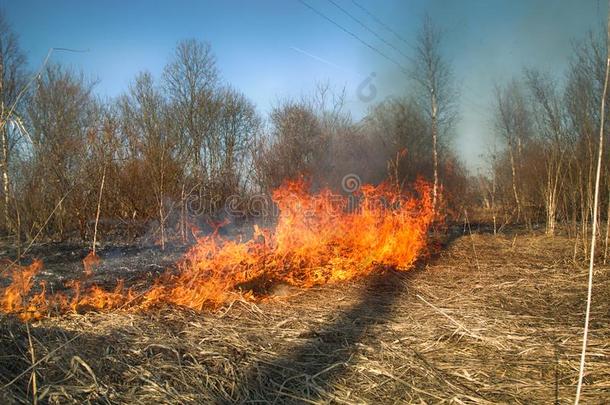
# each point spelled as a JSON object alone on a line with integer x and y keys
{"x": 551, "y": 129}
{"x": 512, "y": 122}
{"x": 433, "y": 78}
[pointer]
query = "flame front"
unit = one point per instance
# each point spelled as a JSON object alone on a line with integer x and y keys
{"x": 319, "y": 238}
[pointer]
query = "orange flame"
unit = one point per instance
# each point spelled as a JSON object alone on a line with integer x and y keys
{"x": 14, "y": 298}
{"x": 90, "y": 262}
{"x": 319, "y": 238}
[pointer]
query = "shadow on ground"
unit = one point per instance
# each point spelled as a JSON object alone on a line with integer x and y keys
{"x": 59, "y": 362}
{"x": 307, "y": 372}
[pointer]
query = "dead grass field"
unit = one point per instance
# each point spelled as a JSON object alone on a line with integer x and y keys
{"x": 488, "y": 320}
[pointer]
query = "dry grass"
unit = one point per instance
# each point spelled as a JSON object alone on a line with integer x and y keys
{"x": 502, "y": 327}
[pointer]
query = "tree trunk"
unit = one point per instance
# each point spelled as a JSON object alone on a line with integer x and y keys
{"x": 6, "y": 184}
{"x": 99, "y": 208}
{"x": 514, "y": 180}
{"x": 161, "y": 215}
{"x": 607, "y": 227}
{"x": 183, "y": 214}
{"x": 5, "y": 158}
{"x": 434, "y": 148}
{"x": 550, "y": 215}
{"x": 550, "y": 207}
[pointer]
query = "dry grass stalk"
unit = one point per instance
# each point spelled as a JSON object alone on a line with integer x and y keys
{"x": 33, "y": 359}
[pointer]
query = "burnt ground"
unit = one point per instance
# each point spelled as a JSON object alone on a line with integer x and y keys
{"x": 134, "y": 263}
{"x": 490, "y": 319}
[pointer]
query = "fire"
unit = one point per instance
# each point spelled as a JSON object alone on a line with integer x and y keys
{"x": 90, "y": 262}
{"x": 319, "y": 238}
{"x": 14, "y": 298}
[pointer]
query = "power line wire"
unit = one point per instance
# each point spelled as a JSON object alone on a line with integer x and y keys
{"x": 384, "y": 25}
{"x": 366, "y": 27}
{"x": 381, "y": 53}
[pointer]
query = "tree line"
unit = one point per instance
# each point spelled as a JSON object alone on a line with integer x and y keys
{"x": 171, "y": 149}
{"x": 542, "y": 168}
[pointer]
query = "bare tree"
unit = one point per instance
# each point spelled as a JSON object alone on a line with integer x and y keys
{"x": 235, "y": 130}
{"x": 584, "y": 87}
{"x": 400, "y": 125}
{"x": 581, "y": 101}
{"x": 513, "y": 123}
{"x": 191, "y": 82}
{"x": 12, "y": 81}
{"x": 146, "y": 125}
{"x": 433, "y": 77}
{"x": 60, "y": 115}
{"x": 292, "y": 148}
{"x": 551, "y": 130}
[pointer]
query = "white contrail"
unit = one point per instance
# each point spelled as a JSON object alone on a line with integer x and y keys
{"x": 325, "y": 61}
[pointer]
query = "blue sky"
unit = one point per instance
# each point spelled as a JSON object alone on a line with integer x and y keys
{"x": 275, "y": 49}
